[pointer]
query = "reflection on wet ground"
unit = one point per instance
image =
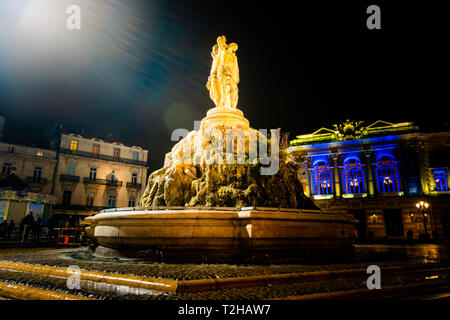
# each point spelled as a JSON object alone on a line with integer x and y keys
{"x": 87, "y": 255}
{"x": 419, "y": 253}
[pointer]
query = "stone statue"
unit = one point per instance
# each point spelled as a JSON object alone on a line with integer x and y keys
{"x": 224, "y": 76}
{"x": 213, "y": 83}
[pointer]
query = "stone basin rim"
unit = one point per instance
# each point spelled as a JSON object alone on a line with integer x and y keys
{"x": 259, "y": 208}
{"x": 217, "y": 213}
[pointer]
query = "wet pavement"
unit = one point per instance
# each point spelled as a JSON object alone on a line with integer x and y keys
{"x": 417, "y": 252}
{"x": 432, "y": 255}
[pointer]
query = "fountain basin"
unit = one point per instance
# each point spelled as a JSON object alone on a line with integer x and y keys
{"x": 230, "y": 235}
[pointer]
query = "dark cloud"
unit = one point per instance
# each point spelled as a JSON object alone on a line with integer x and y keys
{"x": 144, "y": 65}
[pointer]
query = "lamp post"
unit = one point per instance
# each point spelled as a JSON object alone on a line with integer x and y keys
{"x": 422, "y": 207}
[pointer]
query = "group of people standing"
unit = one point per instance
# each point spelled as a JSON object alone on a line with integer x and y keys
{"x": 29, "y": 229}
{"x": 7, "y": 229}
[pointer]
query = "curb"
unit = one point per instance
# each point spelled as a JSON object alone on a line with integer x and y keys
{"x": 21, "y": 292}
{"x": 274, "y": 279}
{"x": 109, "y": 278}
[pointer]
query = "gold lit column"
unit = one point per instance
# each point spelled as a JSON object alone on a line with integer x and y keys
{"x": 42, "y": 210}
{"x": 307, "y": 161}
{"x": 337, "y": 183}
{"x": 370, "y": 184}
{"x": 424, "y": 168}
{"x": 27, "y": 210}
{"x": 5, "y": 216}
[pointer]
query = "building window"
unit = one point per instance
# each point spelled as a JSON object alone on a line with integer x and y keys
{"x": 387, "y": 174}
{"x": 73, "y": 145}
{"x": 67, "y": 197}
{"x": 90, "y": 199}
{"x": 322, "y": 182}
{"x": 96, "y": 149}
{"x": 413, "y": 184}
{"x": 116, "y": 153}
{"x": 133, "y": 178}
{"x": 11, "y": 149}
{"x": 353, "y": 176}
{"x": 70, "y": 169}
{"x": 40, "y": 153}
{"x": 135, "y": 155}
{"x": 7, "y": 168}
{"x": 92, "y": 174}
{"x": 131, "y": 201}
{"x": 37, "y": 173}
{"x": 111, "y": 201}
{"x": 440, "y": 177}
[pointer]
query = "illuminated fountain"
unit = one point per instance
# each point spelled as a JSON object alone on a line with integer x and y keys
{"x": 220, "y": 197}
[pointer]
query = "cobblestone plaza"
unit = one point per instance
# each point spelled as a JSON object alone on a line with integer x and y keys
{"x": 406, "y": 271}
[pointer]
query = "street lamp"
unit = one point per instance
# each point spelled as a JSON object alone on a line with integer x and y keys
{"x": 412, "y": 216}
{"x": 422, "y": 207}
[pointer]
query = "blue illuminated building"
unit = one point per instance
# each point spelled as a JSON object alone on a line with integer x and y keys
{"x": 377, "y": 173}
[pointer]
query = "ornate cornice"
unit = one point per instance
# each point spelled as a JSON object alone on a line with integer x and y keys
{"x": 354, "y": 130}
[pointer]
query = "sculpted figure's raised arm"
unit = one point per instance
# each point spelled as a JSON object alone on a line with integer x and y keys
{"x": 224, "y": 76}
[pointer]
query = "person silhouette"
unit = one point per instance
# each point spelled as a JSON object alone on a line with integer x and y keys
{"x": 11, "y": 229}
{"x": 29, "y": 225}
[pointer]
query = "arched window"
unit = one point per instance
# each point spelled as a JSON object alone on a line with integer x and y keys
{"x": 440, "y": 177}
{"x": 322, "y": 182}
{"x": 353, "y": 176}
{"x": 387, "y": 174}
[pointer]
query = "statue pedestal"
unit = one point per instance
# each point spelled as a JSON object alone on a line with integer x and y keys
{"x": 233, "y": 118}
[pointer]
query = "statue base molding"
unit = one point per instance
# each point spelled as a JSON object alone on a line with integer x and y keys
{"x": 227, "y": 117}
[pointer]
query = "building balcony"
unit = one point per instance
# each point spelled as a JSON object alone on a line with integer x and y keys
{"x": 134, "y": 185}
{"x": 391, "y": 194}
{"x": 70, "y": 178}
{"x": 354, "y": 195}
{"x": 36, "y": 180}
{"x": 323, "y": 196}
{"x": 439, "y": 193}
{"x": 77, "y": 207}
{"x": 102, "y": 157}
{"x": 103, "y": 182}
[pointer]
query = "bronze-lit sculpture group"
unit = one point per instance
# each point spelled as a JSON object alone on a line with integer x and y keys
{"x": 224, "y": 76}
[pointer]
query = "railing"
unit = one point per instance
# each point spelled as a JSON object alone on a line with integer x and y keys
{"x": 36, "y": 180}
{"x": 103, "y": 182}
{"x": 69, "y": 236}
{"x": 28, "y": 233}
{"x": 67, "y": 177}
{"x": 102, "y": 157}
{"x": 134, "y": 185}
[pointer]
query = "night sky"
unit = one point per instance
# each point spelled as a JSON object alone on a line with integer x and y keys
{"x": 137, "y": 69}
